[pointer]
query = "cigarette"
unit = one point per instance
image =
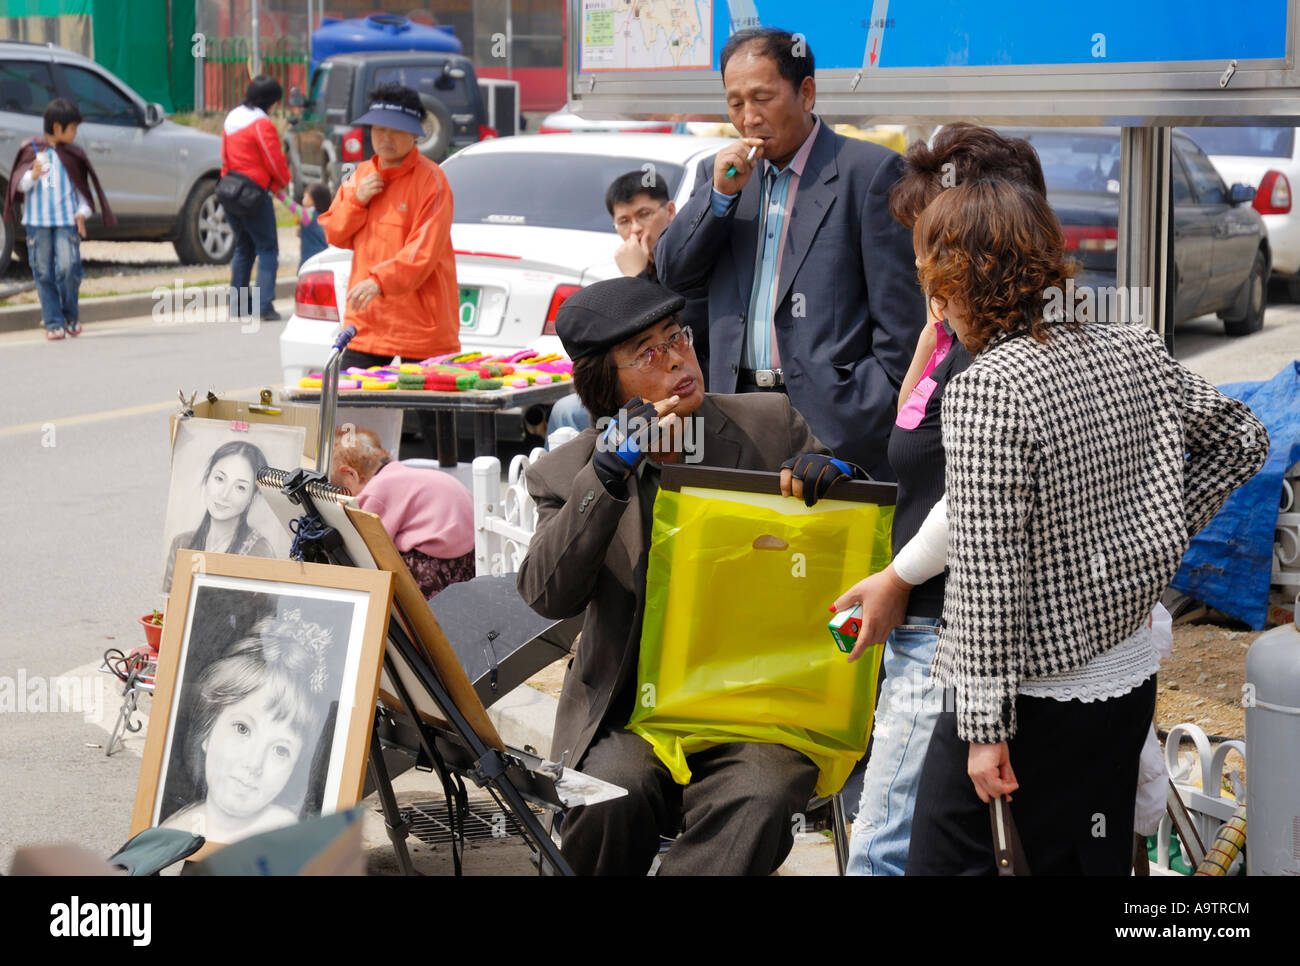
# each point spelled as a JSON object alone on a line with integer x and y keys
{"x": 749, "y": 159}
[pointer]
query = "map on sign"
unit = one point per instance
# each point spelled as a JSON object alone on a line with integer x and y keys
{"x": 1003, "y": 33}
{"x": 647, "y": 34}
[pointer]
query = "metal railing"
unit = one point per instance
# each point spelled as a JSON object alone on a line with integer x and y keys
{"x": 505, "y": 518}
{"x": 1286, "y": 546}
{"x": 1202, "y": 794}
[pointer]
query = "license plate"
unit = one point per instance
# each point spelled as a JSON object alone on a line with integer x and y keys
{"x": 469, "y": 308}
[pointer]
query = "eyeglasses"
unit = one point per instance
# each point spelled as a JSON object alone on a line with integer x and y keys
{"x": 681, "y": 340}
{"x": 642, "y": 216}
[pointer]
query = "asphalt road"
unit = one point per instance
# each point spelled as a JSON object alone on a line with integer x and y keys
{"x": 84, "y": 442}
{"x": 84, "y": 448}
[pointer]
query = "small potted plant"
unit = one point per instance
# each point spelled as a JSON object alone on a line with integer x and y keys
{"x": 153, "y": 624}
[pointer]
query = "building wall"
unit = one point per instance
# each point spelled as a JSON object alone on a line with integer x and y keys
{"x": 146, "y": 43}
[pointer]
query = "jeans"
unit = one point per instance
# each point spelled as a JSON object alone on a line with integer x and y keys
{"x": 908, "y": 708}
{"x": 254, "y": 235}
{"x": 55, "y": 254}
{"x": 569, "y": 412}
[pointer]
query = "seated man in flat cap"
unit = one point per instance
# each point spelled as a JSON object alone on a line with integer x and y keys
{"x": 633, "y": 361}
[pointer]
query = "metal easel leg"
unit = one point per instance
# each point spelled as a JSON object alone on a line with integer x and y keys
{"x": 123, "y": 714}
{"x": 398, "y": 827}
{"x": 490, "y": 766}
{"x": 446, "y": 439}
{"x": 841, "y": 830}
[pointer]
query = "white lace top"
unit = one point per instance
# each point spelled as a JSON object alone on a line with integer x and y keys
{"x": 1108, "y": 675}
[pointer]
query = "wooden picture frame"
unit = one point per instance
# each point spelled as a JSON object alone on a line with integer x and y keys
{"x": 265, "y": 695}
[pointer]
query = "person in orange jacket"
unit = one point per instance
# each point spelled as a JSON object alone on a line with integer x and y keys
{"x": 394, "y": 211}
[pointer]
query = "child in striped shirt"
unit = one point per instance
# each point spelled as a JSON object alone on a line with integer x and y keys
{"x": 54, "y": 179}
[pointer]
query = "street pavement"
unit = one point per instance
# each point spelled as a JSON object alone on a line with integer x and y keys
{"x": 84, "y": 446}
{"x": 84, "y": 442}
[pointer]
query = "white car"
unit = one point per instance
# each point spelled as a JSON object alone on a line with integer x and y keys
{"x": 530, "y": 229}
{"x": 1267, "y": 159}
{"x": 565, "y": 121}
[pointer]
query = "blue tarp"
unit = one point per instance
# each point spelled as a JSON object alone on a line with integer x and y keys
{"x": 1229, "y": 563}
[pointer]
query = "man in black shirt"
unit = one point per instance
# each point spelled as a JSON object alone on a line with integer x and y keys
{"x": 638, "y": 202}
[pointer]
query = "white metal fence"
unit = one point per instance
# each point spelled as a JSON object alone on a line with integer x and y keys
{"x": 505, "y": 516}
{"x": 1286, "y": 539}
{"x": 1200, "y": 784}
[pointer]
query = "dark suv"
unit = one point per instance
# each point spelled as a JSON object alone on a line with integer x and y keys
{"x": 322, "y": 145}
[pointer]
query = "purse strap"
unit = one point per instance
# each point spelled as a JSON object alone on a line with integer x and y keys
{"x": 1008, "y": 853}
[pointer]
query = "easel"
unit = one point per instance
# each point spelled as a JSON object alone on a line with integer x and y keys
{"x": 455, "y": 737}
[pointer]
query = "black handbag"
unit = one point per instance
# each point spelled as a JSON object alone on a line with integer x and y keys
{"x": 239, "y": 194}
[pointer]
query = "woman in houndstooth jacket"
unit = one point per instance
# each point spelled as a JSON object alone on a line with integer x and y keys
{"x": 1080, "y": 459}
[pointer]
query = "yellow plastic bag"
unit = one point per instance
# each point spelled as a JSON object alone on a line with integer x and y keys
{"x": 734, "y": 644}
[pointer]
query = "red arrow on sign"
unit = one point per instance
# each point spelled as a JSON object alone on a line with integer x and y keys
{"x": 873, "y": 51}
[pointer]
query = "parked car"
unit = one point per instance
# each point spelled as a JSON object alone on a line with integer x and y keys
{"x": 1222, "y": 255}
{"x": 159, "y": 177}
{"x": 530, "y": 229}
{"x": 565, "y": 121}
{"x": 1267, "y": 159}
{"x": 321, "y": 143}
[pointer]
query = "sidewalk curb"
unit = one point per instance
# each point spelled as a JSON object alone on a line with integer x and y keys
{"x": 17, "y": 318}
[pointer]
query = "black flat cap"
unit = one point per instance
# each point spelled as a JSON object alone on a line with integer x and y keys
{"x": 605, "y": 313}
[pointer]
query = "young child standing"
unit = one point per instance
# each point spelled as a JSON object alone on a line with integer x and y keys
{"x": 311, "y": 236}
{"x": 55, "y": 176}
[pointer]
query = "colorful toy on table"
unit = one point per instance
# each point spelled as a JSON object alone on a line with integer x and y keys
{"x": 458, "y": 372}
{"x": 314, "y": 382}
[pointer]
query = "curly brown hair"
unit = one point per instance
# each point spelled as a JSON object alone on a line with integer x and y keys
{"x": 960, "y": 153}
{"x": 996, "y": 248}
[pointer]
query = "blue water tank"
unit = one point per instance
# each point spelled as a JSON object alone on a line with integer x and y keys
{"x": 377, "y": 33}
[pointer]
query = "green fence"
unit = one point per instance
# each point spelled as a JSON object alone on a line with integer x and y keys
{"x": 228, "y": 67}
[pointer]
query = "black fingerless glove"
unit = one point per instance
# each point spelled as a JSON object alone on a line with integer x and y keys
{"x": 619, "y": 447}
{"x": 819, "y": 473}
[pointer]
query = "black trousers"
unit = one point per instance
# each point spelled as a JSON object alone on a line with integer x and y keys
{"x": 737, "y": 816}
{"x": 1077, "y": 766}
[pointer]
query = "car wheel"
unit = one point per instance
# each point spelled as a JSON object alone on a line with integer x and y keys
{"x": 205, "y": 236}
{"x": 1253, "y": 299}
{"x": 6, "y": 244}
{"x": 438, "y": 128}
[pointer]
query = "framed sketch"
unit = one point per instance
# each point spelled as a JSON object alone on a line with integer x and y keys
{"x": 213, "y": 504}
{"x": 265, "y": 695}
